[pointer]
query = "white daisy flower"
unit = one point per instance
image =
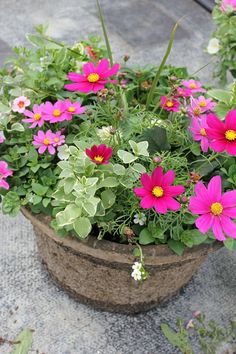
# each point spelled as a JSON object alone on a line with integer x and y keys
{"x": 140, "y": 219}
{"x": 213, "y": 46}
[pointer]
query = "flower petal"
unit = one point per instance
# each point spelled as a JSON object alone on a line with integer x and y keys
{"x": 214, "y": 188}
{"x": 204, "y": 222}
{"x": 217, "y": 230}
{"x": 148, "y": 202}
{"x": 228, "y": 226}
{"x": 228, "y": 199}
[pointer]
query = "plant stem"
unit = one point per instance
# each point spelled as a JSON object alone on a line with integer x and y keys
{"x": 109, "y": 52}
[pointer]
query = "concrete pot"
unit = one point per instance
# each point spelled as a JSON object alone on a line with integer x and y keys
{"x": 97, "y": 273}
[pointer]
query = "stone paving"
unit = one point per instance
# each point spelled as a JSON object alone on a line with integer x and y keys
{"x": 28, "y": 298}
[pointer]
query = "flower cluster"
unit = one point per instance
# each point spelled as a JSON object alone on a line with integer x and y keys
{"x": 48, "y": 141}
{"x": 138, "y": 272}
{"x": 4, "y": 173}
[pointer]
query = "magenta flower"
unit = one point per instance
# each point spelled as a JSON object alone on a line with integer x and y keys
{"x": 193, "y": 85}
{"x": 169, "y": 104}
{"x": 20, "y": 103}
{"x": 58, "y": 139}
{"x": 99, "y": 154}
{"x": 184, "y": 92}
{"x": 227, "y": 5}
{"x": 73, "y": 108}
{"x": 199, "y": 106}
{"x": 2, "y": 139}
{"x": 222, "y": 134}
{"x": 94, "y": 78}
{"x": 35, "y": 117}
{"x": 198, "y": 130}
{"x": 56, "y": 112}
{"x": 157, "y": 191}
{"x": 216, "y": 209}
{"x": 4, "y": 173}
{"x": 44, "y": 141}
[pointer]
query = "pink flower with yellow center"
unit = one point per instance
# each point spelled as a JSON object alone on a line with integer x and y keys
{"x": 157, "y": 191}
{"x": 99, "y": 154}
{"x": 184, "y": 92}
{"x": 94, "y": 78}
{"x": 35, "y": 117}
{"x": 44, "y": 141}
{"x": 222, "y": 135}
{"x": 20, "y": 103}
{"x": 73, "y": 108}
{"x": 228, "y": 5}
{"x": 56, "y": 112}
{"x": 216, "y": 209}
{"x": 200, "y": 106}
{"x": 198, "y": 130}
{"x": 193, "y": 85}
{"x": 169, "y": 104}
{"x": 4, "y": 173}
{"x": 58, "y": 139}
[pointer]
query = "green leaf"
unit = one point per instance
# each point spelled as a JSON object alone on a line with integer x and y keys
{"x": 90, "y": 205}
{"x": 136, "y": 252}
{"x": 69, "y": 184}
{"x": 109, "y": 182}
{"x": 119, "y": 169}
{"x": 25, "y": 339}
{"x": 4, "y": 108}
{"x": 39, "y": 189}
{"x": 126, "y": 156}
{"x": 157, "y": 139}
{"x": 11, "y": 204}
{"x": 195, "y": 148}
{"x": 177, "y": 339}
{"x": 198, "y": 237}
{"x": 176, "y": 246}
{"x": 61, "y": 56}
{"x": 139, "y": 168}
{"x": 230, "y": 243}
{"x": 139, "y": 148}
{"x": 221, "y": 110}
{"x": 35, "y": 40}
{"x": 45, "y": 202}
{"x": 189, "y": 219}
{"x": 145, "y": 237}
{"x": 82, "y": 227}
{"x": 108, "y": 198}
{"x": 17, "y": 127}
{"x": 67, "y": 216}
{"x": 220, "y": 95}
{"x": 187, "y": 238}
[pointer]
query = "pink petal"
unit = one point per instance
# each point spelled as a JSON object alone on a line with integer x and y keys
{"x": 76, "y": 77}
{"x": 198, "y": 206}
{"x": 217, "y": 229}
{"x": 102, "y": 66}
{"x": 218, "y": 145}
{"x": 140, "y": 192}
{"x": 160, "y": 206}
{"x": 230, "y": 120}
{"x": 81, "y": 87}
{"x": 97, "y": 86}
{"x": 146, "y": 181}
{"x": 204, "y": 222}
{"x": 231, "y": 148}
{"x": 214, "y": 188}
{"x": 168, "y": 178}
{"x": 229, "y": 199}
{"x": 228, "y": 225}
{"x": 230, "y": 212}
{"x": 89, "y": 68}
{"x": 214, "y": 122}
{"x": 157, "y": 176}
{"x": 172, "y": 204}
{"x": 4, "y": 184}
{"x": 148, "y": 202}
{"x": 173, "y": 191}
{"x": 51, "y": 150}
{"x": 112, "y": 71}
{"x": 42, "y": 149}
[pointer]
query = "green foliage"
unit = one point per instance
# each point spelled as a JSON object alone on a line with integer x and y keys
{"x": 24, "y": 342}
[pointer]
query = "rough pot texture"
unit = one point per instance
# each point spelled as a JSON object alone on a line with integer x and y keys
{"x": 98, "y": 273}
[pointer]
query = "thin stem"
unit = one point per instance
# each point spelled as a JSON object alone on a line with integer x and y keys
{"x": 109, "y": 52}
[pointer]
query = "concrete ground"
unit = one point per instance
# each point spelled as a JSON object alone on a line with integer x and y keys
{"x": 28, "y": 298}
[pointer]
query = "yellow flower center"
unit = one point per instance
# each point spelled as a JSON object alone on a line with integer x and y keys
{"x": 21, "y": 104}
{"x": 71, "y": 109}
{"x": 197, "y": 111}
{"x": 56, "y": 140}
{"x": 169, "y": 104}
{"x": 98, "y": 158}
{"x": 37, "y": 116}
{"x": 230, "y": 135}
{"x": 203, "y": 132}
{"x": 193, "y": 86}
{"x": 202, "y": 104}
{"x": 56, "y": 112}
{"x": 94, "y": 77}
{"x": 46, "y": 141}
{"x": 216, "y": 208}
{"x": 157, "y": 192}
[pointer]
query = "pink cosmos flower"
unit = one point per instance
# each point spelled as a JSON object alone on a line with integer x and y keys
{"x": 99, "y": 154}
{"x": 193, "y": 85}
{"x": 4, "y": 173}
{"x": 20, "y": 103}
{"x": 184, "y": 92}
{"x": 227, "y": 4}
{"x": 44, "y": 141}
{"x": 169, "y": 104}
{"x": 198, "y": 130}
{"x": 2, "y": 139}
{"x": 94, "y": 78}
{"x": 222, "y": 134}
{"x": 35, "y": 117}
{"x": 157, "y": 191}
{"x": 73, "y": 108}
{"x": 56, "y": 112}
{"x": 216, "y": 209}
{"x": 58, "y": 139}
{"x": 200, "y": 105}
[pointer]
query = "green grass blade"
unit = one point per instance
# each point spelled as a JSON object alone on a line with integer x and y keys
{"x": 109, "y": 52}
{"x": 25, "y": 339}
{"x": 161, "y": 67}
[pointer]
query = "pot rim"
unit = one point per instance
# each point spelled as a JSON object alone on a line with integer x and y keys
{"x": 121, "y": 253}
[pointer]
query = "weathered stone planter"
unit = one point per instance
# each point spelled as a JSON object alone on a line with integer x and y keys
{"x": 97, "y": 273}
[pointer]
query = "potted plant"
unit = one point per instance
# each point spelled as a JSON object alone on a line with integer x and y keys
{"x": 122, "y": 171}
{"x": 223, "y": 42}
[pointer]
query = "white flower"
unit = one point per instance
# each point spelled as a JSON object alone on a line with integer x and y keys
{"x": 137, "y": 266}
{"x": 20, "y": 103}
{"x": 136, "y": 274}
{"x": 63, "y": 152}
{"x": 140, "y": 219}
{"x": 104, "y": 133}
{"x": 213, "y": 46}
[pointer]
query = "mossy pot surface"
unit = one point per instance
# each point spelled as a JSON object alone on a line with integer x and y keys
{"x": 98, "y": 273}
